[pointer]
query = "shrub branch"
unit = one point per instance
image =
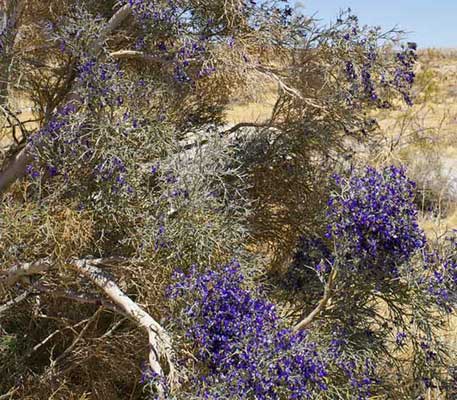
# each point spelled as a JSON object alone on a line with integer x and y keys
{"x": 304, "y": 323}
{"x": 160, "y": 348}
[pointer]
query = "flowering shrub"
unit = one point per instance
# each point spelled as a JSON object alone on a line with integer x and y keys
{"x": 133, "y": 171}
{"x": 371, "y": 220}
{"x": 366, "y": 82}
{"x": 374, "y": 258}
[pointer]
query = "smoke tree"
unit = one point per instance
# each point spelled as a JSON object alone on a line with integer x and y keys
{"x": 149, "y": 250}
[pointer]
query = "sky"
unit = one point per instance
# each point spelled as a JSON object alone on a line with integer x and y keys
{"x": 430, "y": 23}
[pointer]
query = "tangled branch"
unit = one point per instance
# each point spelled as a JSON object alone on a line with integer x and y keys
{"x": 159, "y": 341}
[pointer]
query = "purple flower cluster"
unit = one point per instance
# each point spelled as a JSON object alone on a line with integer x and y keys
{"x": 366, "y": 81}
{"x": 97, "y": 84}
{"x": 373, "y": 220}
{"x": 241, "y": 343}
{"x": 161, "y": 240}
{"x": 400, "y": 339}
{"x": 112, "y": 169}
{"x": 188, "y": 52}
{"x": 361, "y": 374}
{"x": 65, "y": 144}
{"x": 50, "y": 134}
{"x": 185, "y": 56}
{"x": 159, "y": 12}
{"x": 368, "y": 84}
{"x": 404, "y": 74}
{"x": 440, "y": 281}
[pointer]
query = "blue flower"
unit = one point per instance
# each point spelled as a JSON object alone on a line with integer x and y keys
{"x": 241, "y": 343}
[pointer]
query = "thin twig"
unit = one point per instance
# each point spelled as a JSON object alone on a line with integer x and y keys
{"x": 8, "y": 395}
{"x": 49, "y": 337}
{"x": 77, "y": 339}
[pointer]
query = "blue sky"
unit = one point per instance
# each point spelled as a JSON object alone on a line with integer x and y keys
{"x": 431, "y": 23}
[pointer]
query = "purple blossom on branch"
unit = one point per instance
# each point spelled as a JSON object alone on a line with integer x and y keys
{"x": 241, "y": 342}
{"x": 373, "y": 220}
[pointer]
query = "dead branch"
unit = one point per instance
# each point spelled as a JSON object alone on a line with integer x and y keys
{"x": 242, "y": 125}
{"x": 10, "y": 277}
{"x": 115, "y": 21}
{"x": 9, "y": 395}
{"x": 282, "y": 85}
{"x": 138, "y": 55}
{"x": 78, "y": 297}
{"x": 159, "y": 340}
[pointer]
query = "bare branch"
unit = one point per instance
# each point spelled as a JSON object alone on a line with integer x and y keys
{"x": 304, "y": 323}
{"x": 13, "y": 302}
{"x": 79, "y": 297}
{"x": 115, "y": 21}
{"x": 138, "y": 55}
{"x": 283, "y": 86}
{"x": 242, "y": 125}
{"x": 16, "y": 168}
{"x": 49, "y": 337}
{"x": 159, "y": 340}
{"x": 9, "y": 395}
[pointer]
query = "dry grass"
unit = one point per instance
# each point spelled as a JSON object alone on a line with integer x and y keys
{"x": 257, "y": 111}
